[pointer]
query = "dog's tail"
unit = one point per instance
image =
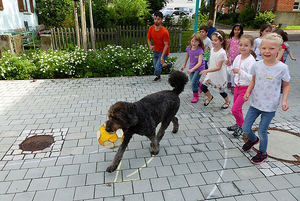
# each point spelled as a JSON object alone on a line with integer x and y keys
{"x": 178, "y": 79}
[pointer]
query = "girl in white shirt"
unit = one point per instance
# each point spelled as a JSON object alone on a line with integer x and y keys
{"x": 265, "y": 29}
{"x": 240, "y": 69}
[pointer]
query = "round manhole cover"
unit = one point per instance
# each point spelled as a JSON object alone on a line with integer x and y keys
{"x": 35, "y": 143}
{"x": 282, "y": 145}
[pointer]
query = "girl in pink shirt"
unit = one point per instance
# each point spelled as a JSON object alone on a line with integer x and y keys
{"x": 232, "y": 49}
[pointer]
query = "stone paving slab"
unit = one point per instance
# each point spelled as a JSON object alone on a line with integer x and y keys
{"x": 203, "y": 161}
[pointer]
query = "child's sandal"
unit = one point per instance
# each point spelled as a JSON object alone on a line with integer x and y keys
{"x": 207, "y": 101}
{"x": 225, "y": 105}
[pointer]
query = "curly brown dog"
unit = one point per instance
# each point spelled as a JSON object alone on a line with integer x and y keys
{"x": 143, "y": 116}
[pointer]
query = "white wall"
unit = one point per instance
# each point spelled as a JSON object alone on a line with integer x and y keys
{"x": 11, "y": 18}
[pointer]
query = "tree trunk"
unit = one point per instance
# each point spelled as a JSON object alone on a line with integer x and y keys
{"x": 212, "y": 9}
{"x": 83, "y": 25}
{"x": 92, "y": 26}
{"x": 76, "y": 24}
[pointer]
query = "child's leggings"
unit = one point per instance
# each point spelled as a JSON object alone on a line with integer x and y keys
{"x": 238, "y": 102}
{"x": 205, "y": 89}
{"x": 266, "y": 118}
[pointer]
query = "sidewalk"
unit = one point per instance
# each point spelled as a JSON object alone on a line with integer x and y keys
{"x": 203, "y": 161}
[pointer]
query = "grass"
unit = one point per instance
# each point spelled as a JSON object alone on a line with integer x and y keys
{"x": 292, "y": 28}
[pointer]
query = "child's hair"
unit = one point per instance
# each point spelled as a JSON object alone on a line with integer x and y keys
{"x": 232, "y": 31}
{"x": 221, "y": 36}
{"x": 282, "y": 34}
{"x": 198, "y": 37}
{"x": 209, "y": 23}
{"x": 274, "y": 37}
{"x": 158, "y": 14}
{"x": 264, "y": 27}
{"x": 251, "y": 39}
{"x": 205, "y": 28}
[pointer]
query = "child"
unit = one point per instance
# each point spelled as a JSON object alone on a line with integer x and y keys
{"x": 232, "y": 46}
{"x": 273, "y": 26}
{"x": 283, "y": 46}
{"x": 211, "y": 29}
{"x": 203, "y": 30}
{"x": 265, "y": 29}
{"x": 287, "y": 52}
{"x": 216, "y": 74}
{"x": 197, "y": 64}
{"x": 240, "y": 69}
{"x": 266, "y": 81}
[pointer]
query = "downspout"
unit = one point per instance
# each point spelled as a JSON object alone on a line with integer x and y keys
{"x": 273, "y": 5}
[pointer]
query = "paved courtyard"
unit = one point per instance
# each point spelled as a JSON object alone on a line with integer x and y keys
{"x": 203, "y": 161}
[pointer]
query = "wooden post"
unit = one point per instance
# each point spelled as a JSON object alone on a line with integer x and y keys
{"x": 92, "y": 26}
{"x": 76, "y": 24}
{"x": 18, "y": 44}
{"x": 83, "y": 25}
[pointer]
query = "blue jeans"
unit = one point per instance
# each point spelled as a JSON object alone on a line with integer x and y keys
{"x": 194, "y": 79}
{"x": 266, "y": 118}
{"x": 156, "y": 62}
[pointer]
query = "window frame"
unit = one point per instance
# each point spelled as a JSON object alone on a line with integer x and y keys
{"x": 1, "y": 5}
{"x": 23, "y": 7}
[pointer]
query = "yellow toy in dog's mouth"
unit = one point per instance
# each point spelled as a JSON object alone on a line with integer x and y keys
{"x": 108, "y": 140}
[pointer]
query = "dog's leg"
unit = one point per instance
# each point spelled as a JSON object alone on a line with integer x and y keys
{"x": 175, "y": 124}
{"x": 154, "y": 144}
{"x": 118, "y": 157}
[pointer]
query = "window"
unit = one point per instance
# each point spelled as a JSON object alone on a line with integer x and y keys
{"x": 1, "y": 5}
{"x": 258, "y": 5}
{"x": 23, "y": 7}
{"x": 296, "y": 5}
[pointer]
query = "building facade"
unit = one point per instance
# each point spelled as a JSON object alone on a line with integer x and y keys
{"x": 14, "y": 14}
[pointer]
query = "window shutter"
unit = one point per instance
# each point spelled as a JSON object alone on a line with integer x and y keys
{"x": 21, "y": 5}
{"x": 31, "y": 6}
{"x": 1, "y": 5}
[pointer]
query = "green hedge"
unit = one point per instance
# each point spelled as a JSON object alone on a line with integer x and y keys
{"x": 113, "y": 61}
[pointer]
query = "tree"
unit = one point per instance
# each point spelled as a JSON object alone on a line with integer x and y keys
{"x": 212, "y": 8}
{"x": 156, "y": 5}
{"x": 129, "y": 12}
{"x": 55, "y": 13}
{"x": 233, "y": 4}
{"x": 100, "y": 14}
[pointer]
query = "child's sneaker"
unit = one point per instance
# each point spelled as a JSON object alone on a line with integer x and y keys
{"x": 232, "y": 128}
{"x": 238, "y": 131}
{"x": 249, "y": 145}
{"x": 259, "y": 158}
{"x": 169, "y": 66}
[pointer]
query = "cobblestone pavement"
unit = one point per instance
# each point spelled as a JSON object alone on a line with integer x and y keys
{"x": 203, "y": 161}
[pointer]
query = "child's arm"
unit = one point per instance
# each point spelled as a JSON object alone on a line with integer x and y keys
{"x": 249, "y": 89}
{"x": 291, "y": 55}
{"x": 185, "y": 61}
{"x": 227, "y": 48}
{"x": 200, "y": 59}
{"x": 280, "y": 54}
{"x": 210, "y": 70}
{"x": 285, "y": 94}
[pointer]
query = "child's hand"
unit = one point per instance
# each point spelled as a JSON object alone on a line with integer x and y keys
{"x": 204, "y": 72}
{"x": 236, "y": 70}
{"x": 228, "y": 62}
{"x": 294, "y": 59}
{"x": 285, "y": 106}
{"x": 182, "y": 68}
{"x": 246, "y": 97}
{"x": 189, "y": 71}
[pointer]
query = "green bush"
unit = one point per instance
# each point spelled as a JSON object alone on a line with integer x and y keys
{"x": 112, "y": 61}
{"x": 247, "y": 16}
{"x": 266, "y": 17}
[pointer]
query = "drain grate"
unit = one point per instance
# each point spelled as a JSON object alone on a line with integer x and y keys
{"x": 35, "y": 143}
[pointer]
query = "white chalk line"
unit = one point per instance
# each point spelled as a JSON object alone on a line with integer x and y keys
{"x": 225, "y": 161}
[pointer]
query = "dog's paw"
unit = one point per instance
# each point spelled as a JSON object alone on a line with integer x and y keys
{"x": 111, "y": 168}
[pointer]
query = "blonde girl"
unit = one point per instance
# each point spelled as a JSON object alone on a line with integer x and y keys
{"x": 195, "y": 52}
{"x": 216, "y": 74}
